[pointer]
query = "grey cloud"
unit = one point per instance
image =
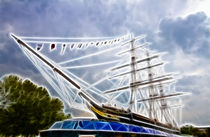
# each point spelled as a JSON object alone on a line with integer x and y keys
{"x": 191, "y": 33}
{"x": 195, "y": 78}
{"x": 187, "y": 40}
{"x": 69, "y": 18}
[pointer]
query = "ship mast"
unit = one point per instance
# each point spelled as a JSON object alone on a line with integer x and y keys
{"x": 153, "y": 101}
{"x": 133, "y": 80}
{"x": 152, "y": 112}
{"x": 133, "y": 100}
{"x": 133, "y": 76}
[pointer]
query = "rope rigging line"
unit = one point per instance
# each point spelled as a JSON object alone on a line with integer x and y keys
{"x": 119, "y": 84}
{"x": 46, "y": 75}
{"x": 64, "y": 95}
{"x": 87, "y": 84}
{"x": 62, "y": 86}
{"x": 96, "y": 83}
{"x": 92, "y": 65}
{"x": 87, "y": 56}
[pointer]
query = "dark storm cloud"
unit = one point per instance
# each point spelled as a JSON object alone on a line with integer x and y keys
{"x": 191, "y": 33}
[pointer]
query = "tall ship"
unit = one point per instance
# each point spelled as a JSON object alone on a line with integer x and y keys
{"x": 139, "y": 77}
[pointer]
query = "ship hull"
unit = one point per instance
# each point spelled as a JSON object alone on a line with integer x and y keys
{"x": 114, "y": 114}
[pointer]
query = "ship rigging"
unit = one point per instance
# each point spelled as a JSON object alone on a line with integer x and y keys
{"x": 142, "y": 77}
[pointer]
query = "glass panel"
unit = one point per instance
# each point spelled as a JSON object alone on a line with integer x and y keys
{"x": 99, "y": 125}
{"x": 107, "y": 127}
{"x": 69, "y": 124}
{"x": 152, "y": 131}
{"x": 88, "y": 125}
{"x": 102, "y": 126}
{"x": 123, "y": 128}
{"x": 134, "y": 129}
{"x": 115, "y": 126}
{"x": 80, "y": 125}
{"x": 56, "y": 125}
{"x": 137, "y": 129}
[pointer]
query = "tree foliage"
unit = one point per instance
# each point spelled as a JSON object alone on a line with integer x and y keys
{"x": 196, "y": 132}
{"x": 31, "y": 108}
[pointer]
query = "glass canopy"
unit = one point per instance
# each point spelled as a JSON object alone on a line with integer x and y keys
{"x": 104, "y": 126}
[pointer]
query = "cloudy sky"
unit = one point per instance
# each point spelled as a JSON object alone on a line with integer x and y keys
{"x": 180, "y": 27}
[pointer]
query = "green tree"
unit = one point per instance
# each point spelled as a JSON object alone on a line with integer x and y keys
{"x": 30, "y": 109}
{"x": 190, "y": 130}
